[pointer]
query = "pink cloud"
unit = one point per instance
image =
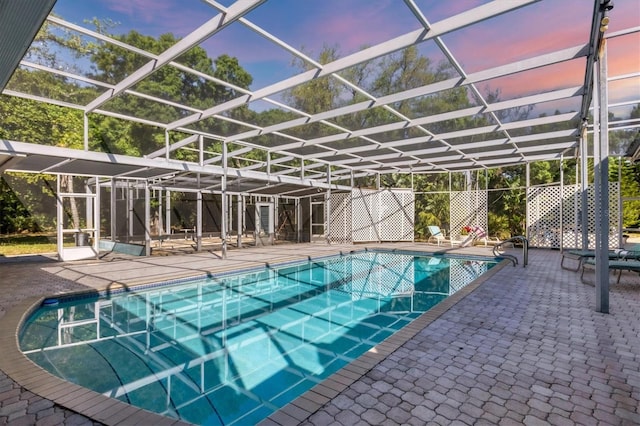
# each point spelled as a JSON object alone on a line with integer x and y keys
{"x": 624, "y": 90}
{"x": 439, "y": 10}
{"x": 624, "y": 54}
{"x": 155, "y": 17}
{"x": 142, "y": 10}
{"x": 530, "y": 31}
{"x": 352, "y": 28}
{"x": 625, "y": 14}
{"x": 538, "y": 80}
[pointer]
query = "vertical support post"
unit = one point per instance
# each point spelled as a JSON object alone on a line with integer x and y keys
{"x": 601, "y": 174}
{"x": 620, "y": 204}
{"x": 96, "y": 218}
{"x": 268, "y": 164}
{"x": 223, "y": 222}
{"x": 59, "y": 221}
{"x": 160, "y": 220}
{"x": 561, "y": 202}
{"x": 130, "y": 214}
{"x": 584, "y": 187}
{"x": 302, "y": 168}
{"x": 526, "y": 197}
{"x": 298, "y": 220}
{"x": 240, "y": 217}
{"x": 85, "y": 121}
{"x": 276, "y": 219}
{"x": 167, "y": 212}
{"x": 199, "y": 197}
{"x": 229, "y": 214}
{"x": 199, "y": 219}
{"x": 88, "y": 206}
{"x": 112, "y": 211}
{"x": 327, "y": 206}
{"x": 576, "y": 205}
{"x": 147, "y": 220}
{"x": 166, "y": 145}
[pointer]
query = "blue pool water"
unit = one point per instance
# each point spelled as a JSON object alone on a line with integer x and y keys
{"x": 232, "y": 349}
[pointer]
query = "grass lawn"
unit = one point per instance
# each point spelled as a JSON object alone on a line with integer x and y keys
{"x": 11, "y": 245}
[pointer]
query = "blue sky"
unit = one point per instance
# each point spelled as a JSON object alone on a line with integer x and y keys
{"x": 351, "y": 24}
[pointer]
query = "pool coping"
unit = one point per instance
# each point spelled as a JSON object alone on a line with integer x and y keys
{"x": 110, "y": 411}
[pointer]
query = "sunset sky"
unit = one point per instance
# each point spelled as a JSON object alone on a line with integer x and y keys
{"x": 539, "y": 28}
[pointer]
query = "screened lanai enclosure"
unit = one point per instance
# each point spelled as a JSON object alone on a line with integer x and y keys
{"x": 224, "y": 124}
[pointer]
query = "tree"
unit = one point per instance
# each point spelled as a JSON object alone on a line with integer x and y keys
{"x": 41, "y": 123}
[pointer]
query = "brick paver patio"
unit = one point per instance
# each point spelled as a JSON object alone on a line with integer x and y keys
{"x": 524, "y": 347}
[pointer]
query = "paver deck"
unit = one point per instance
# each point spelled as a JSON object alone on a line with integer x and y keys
{"x": 525, "y": 346}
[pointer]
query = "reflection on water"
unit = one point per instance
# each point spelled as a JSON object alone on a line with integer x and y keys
{"x": 234, "y": 349}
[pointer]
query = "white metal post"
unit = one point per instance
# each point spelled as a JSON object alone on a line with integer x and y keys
{"x": 113, "y": 210}
{"x": 240, "y": 216}
{"x": 584, "y": 186}
{"x": 526, "y": 197}
{"x": 223, "y": 222}
{"x": 60, "y": 218}
{"x": 327, "y": 206}
{"x": 88, "y": 206}
{"x": 620, "y": 203}
{"x": 85, "y": 121}
{"x": 167, "y": 212}
{"x": 298, "y": 208}
{"x": 601, "y": 174}
{"x": 160, "y": 221}
{"x": 147, "y": 220}
{"x": 198, "y": 220}
{"x": 166, "y": 145}
{"x": 276, "y": 220}
{"x": 129, "y": 212}
{"x": 96, "y": 217}
{"x": 561, "y": 202}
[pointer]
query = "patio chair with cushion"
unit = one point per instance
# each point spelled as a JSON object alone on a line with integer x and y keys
{"x": 436, "y": 234}
{"x": 583, "y": 255}
{"x": 620, "y": 265}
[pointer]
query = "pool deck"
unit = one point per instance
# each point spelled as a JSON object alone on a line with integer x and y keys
{"x": 520, "y": 346}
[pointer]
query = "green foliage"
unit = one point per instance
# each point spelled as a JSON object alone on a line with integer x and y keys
{"x": 26, "y": 203}
{"x": 629, "y": 188}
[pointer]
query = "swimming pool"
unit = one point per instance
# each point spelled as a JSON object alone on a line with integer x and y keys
{"x": 231, "y": 349}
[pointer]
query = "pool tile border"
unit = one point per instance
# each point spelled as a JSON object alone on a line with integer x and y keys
{"x": 112, "y": 412}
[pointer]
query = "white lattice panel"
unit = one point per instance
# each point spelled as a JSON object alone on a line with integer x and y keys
{"x": 467, "y": 208}
{"x": 362, "y": 219}
{"x": 554, "y": 211}
{"x": 572, "y": 233}
{"x": 340, "y": 218}
{"x": 543, "y": 216}
{"x": 396, "y": 220}
{"x": 388, "y": 219}
{"x": 407, "y": 219}
{"x": 382, "y": 215}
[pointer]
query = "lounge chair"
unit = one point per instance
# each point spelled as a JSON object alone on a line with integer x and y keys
{"x": 619, "y": 265}
{"x": 477, "y": 233}
{"x": 436, "y": 234}
{"x": 583, "y": 255}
